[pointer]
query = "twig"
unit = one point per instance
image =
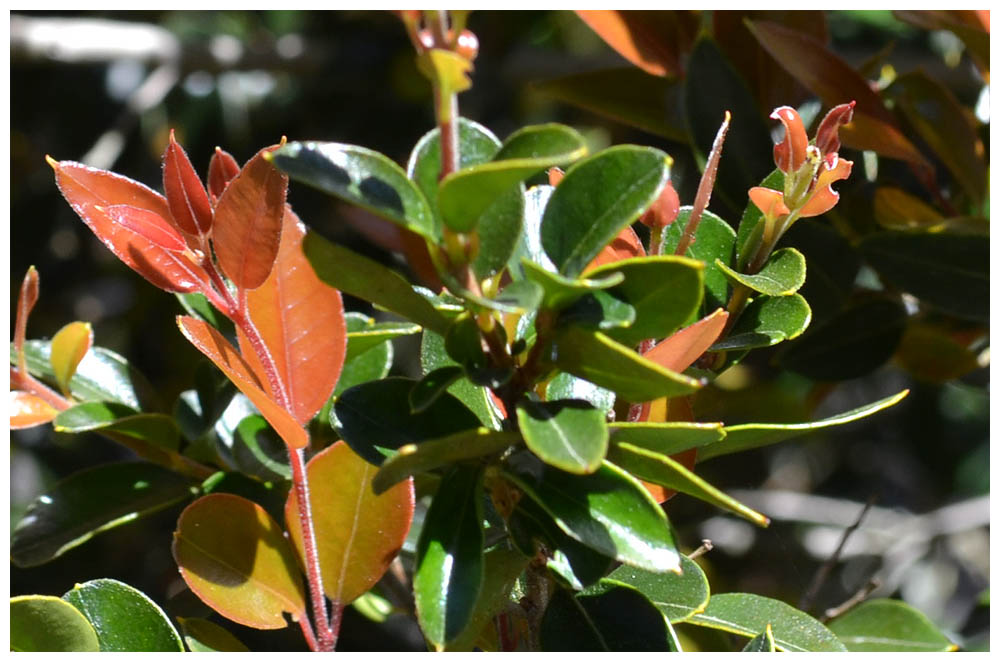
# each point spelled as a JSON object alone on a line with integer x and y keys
{"x": 853, "y": 601}
{"x": 706, "y": 546}
{"x": 806, "y": 603}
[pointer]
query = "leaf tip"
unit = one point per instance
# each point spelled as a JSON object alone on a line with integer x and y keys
{"x": 52, "y": 162}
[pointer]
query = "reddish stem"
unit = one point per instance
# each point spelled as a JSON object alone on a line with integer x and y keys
{"x": 25, "y": 382}
{"x": 307, "y": 632}
{"x": 336, "y": 612}
{"x": 705, "y": 187}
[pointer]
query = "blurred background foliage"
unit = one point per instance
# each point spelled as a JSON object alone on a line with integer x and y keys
{"x": 243, "y": 79}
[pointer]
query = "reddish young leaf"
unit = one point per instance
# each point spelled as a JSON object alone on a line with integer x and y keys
{"x": 222, "y": 169}
{"x": 212, "y": 344}
{"x": 301, "y": 320}
{"x": 69, "y": 346}
{"x": 622, "y": 247}
{"x": 25, "y": 302}
{"x": 248, "y": 222}
{"x": 87, "y": 188}
{"x": 27, "y": 410}
{"x": 186, "y": 196}
{"x": 683, "y": 348}
{"x": 660, "y": 411}
{"x": 651, "y": 40}
{"x": 146, "y": 224}
{"x": 358, "y": 534}
{"x": 234, "y": 557}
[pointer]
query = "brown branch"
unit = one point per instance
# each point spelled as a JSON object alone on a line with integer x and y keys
{"x": 805, "y": 604}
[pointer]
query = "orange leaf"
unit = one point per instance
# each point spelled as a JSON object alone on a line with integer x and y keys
{"x": 790, "y": 153}
{"x": 679, "y": 351}
{"x": 87, "y": 188}
{"x": 358, "y": 534}
{"x": 676, "y": 409}
{"x": 186, "y": 196}
{"x": 647, "y": 39}
{"x": 770, "y": 202}
{"x": 247, "y": 227}
{"x": 27, "y": 410}
{"x": 212, "y": 344}
{"x": 622, "y": 247}
{"x": 69, "y": 346}
{"x": 222, "y": 169}
{"x": 25, "y": 302}
{"x": 825, "y": 198}
{"x": 301, "y": 320}
{"x": 146, "y": 224}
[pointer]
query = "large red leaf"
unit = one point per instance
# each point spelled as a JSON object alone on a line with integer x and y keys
{"x": 301, "y": 320}
{"x": 27, "y": 410}
{"x": 212, "y": 344}
{"x": 87, "y": 188}
{"x": 652, "y": 40}
{"x": 234, "y": 557}
{"x": 247, "y": 227}
{"x": 186, "y": 196}
{"x": 146, "y": 224}
{"x": 358, "y": 534}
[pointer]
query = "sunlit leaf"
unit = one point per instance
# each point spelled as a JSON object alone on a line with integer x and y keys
{"x": 124, "y": 618}
{"x": 889, "y": 626}
{"x": 433, "y": 355}
{"x": 768, "y": 321}
{"x": 568, "y": 434}
{"x": 558, "y": 291}
{"x": 448, "y": 70}
{"x": 26, "y": 300}
{"x": 203, "y": 636}
{"x": 157, "y": 429}
{"x": 565, "y": 386}
{"x": 222, "y": 169}
{"x": 680, "y": 350}
{"x": 666, "y": 438}
{"x": 47, "y": 623}
{"x": 27, "y": 410}
{"x": 654, "y": 41}
{"x": 259, "y": 452}
{"x": 677, "y": 596}
{"x": 783, "y": 273}
{"x": 186, "y": 196}
{"x": 594, "y": 620}
{"x": 147, "y": 224}
{"x": 714, "y": 240}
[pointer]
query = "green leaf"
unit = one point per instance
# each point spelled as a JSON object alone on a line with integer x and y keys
{"x": 529, "y": 244}
{"x": 449, "y": 561}
{"x": 667, "y": 438}
{"x": 499, "y": 230}
{"x": 477, "y": 398}
{"x": 46, "y": 623}
{"x": 568, "y": 434}
{"x": 520, "y": 296}
{"x": 366, "y": 279}
{"x": 714, "y": 240}
{"x": 432, "y": 385}
{"x": 502, "y": 567}
{"x": 596, "y": 199}
{"x": 754, "y": 435}
{"x": 677, "y": 596}
{"x": 665, "y": 291}
{"x": 565, "y": 386}
{"x": 101, "y": 375}
{"x": 364, "y": 333}
{"x": 413, "y": 459}
{"x": 599, "y": 310}
{"x": 374, "y": 418}
{"x": 950, "y": 272}
{"x": 560, "y": 291}
{"x": 372, "y": 354}
{"x": 783, "y": 273}
{"x": 203, "y": 636}
{"x": 157, "y": 429}
{"x": 607, "y": 510}
{"x": 852, "y": 343}
{"x": 235, "y": 557}
{"x": 362, "y": 177}
{"x": 374, "y": 607}
{"x": 596, "y": 621}
{"x": 762, "y": 643}
{"x": 888, "y": 626}
{"x": 767, "y": 321}
{"x": 124, "y": 618}
{"x": 258, "y": 451}
{"x": 668, "y": 472}
{"x": 89, "y": 502}
{"x": 751, "y": 228}
{"x": 747, "y": 614}
{"x": 593, "y": 356}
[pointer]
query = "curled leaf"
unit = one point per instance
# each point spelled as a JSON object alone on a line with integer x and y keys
{"x": 790, "y": 153}
{"x": 824, "y": 197}
{"x": 69, "y": 346}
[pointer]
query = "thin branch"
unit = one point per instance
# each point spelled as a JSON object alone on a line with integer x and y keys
{"x": 706, "y": 546}
{"x": 806, "y": 603}
{"x": 853, "y": 601}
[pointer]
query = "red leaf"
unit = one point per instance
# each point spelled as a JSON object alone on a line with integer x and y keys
{"x": 87, "y": 188}
{"x": 25, "y": 302}
{"x": 186, "y": 196}
{"x": 679, "y": 351}
{"x": 212, "y": 344}
{"x": 146, "y": 224}
{"x": 27, "y": 410}
{"x": 222, "y": 169}
{"x": 248, "y": 222}
{"x": 651, "y": 40}
{"x": 301, "y": 320}
{"x": 622, "y": 247}
{"x": 769, "y": 201}
{"x": 790, "y": 153}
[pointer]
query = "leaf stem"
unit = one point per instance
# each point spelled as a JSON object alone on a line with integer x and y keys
{"x": 307, "y": 632}
{"x": 336, "y": 612}
{"x": 25, "y": 382}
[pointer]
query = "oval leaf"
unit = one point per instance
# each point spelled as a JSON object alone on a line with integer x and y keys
{"x": 502, "y": 569}
{"x": 568, "y": 434}
{"x": 889, "y": 626}
{"x": 236, "y": 559}
{"x": 46, "y": 623}
{"x": 26, "y": 300}
{"x": 783, "y": 273}
{"x": 27, "y": 410}
{"x": 767, "y": 321}
{"x": 677, "y": 596}
{"x": 203, "y": 636}
{"x": 714, "y": 240}
{"x": 125, "y": 619}
{"x": 679, "y": 351}
{"x": 762, "y": 643}
{"x": 593, "y": 621}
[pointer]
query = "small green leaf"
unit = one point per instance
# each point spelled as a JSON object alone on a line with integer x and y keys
{"x": 413, "y": 459}
{"x": 69, "y": 346}
{"x": 714, "y": 240}
{"x": 607, "y": 510}
{"x": 529, "y": 244}
{"x": 568, "y": 434}
{"x": 89, "y": 502}
{"x": 374, "y": 607}
{"x": 565, "y": 386}
{"x": 677, "y": 596}
{"x": 448, "y": 70}
{"x": 371, "y": 356}
{"x": 596, "y": 621}
{"x": 599, "y": 310}
{"x": 258, "y": 451}
{"x": 593, "y": 356}
{"x": 477, "y": 398}
{"x": 449, "y": 561}
{"x": 747, "y": 614}
{"x": 762, "y": 643}
{"x": 520, "y": 296}
{"x": 596, "y": 199}
{"x": 560, "y": 291}
{"x": 157, "y": 429}
{"x": 362, "y": 177}
{"x": 783, "y": 273}
{"x": 754, "y": 435}
{"x": 203, "y": 636}
{"x": 46, "y": 623}
{"x": 364, "y": 333}
{"x": 668, "y": 472}
{"x": 767, "y": 321}
{"x": 432, "y": 385}
{"x": 888, "y": 626}
{"x": 667, "y": 438}
{"x": 124, "y": 618}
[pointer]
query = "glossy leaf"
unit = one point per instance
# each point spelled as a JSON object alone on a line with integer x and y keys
{"x": 714, "y": 240}
{"x": 599, "y": 310}
{"x": 186, "y": 196}
{"x": 610, "y": 616}
{"x": 607, "y": 510}
{"x": 222, "y": 169}
{"x": 364, "y": 333}
{"x": 86, "y": 188}
{"x": 248, "y": 222}
{"x": 147, "y": 224}
{"x": 124, "y": 618}
{"x": 593, "y": 356}
{"x": 528, "y": 248}
{"x": 768, "y": 321}
{"x": 668, "y": 472}
{"x": 568, "y": 434}
{"x": 259, "y": 452}
{"x": 431, "y": 385}
{"x": 268, "y": 495}
{"x": 762, "y": 643}
{"x": 433, "y": 355}
{"x": 950, "y": 272}
{"x": 374, "y": 418}
{"x": 499, "y": 230}
{"x": 680, "y": 350}
{"x": 158, "y": 429}
{"x": 747, "y": 614}
{"x": 358, "y": 534}
{"x": 47, "y": 623}
{"x": 89, "y": 502}
{"x": 448, "y": 574}
{"x": 565, "y": 386}
{"x": 362, "y": 177}
{"x": 888, "y": 626}
{"x": 27, "y": 410}
{"x": 235, "y": 558}
{"x": 366, "y": 279}
{"x": 225, "y": 357}
{"x": 301, "y": 320}
{"x": 740, "y": 438}
{"x": 501, "y": 569}
{"x": 203, "y": 636}
{"x": 559, "y": 291}
{"x": 665, "y": 290}
{"x": 666, "y": 438}
{"x": 598, "y": 197}
{"x": 677, "y": 596}
{"x": 783, "y": 273}
{"x": 651, "y": 40}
